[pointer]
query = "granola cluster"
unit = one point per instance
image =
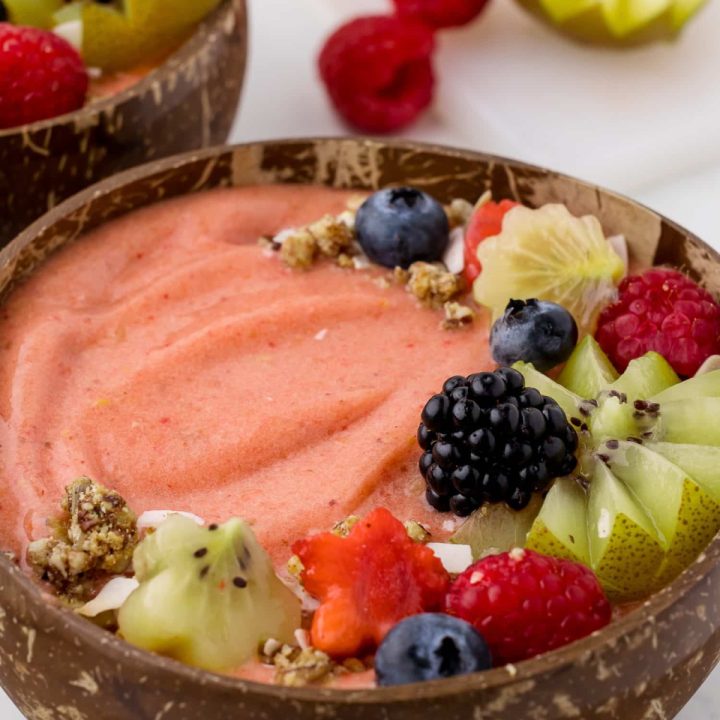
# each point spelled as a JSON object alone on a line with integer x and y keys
{"x": 297, "y": 667}
{"x": 94, "y": 537}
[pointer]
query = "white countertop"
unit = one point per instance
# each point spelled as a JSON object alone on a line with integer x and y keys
{"x": 644, "y": 122}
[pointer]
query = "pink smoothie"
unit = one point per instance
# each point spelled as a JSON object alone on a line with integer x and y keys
{"x": 168, "y": 356}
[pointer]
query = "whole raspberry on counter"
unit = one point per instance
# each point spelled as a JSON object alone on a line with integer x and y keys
{"x": 41, "y": 76}
{"x": 367, "y": 582}
{"x": 665, "y": 311}
{"x": 525, "y": 604}
{"x": 378, "y": 71}
{"x": 441, "y": 13}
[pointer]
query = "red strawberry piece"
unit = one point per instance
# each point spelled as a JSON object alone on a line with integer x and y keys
{"x": 41, "y": 76}
{"x": 665, "y": 311}
{"x": 378, "y": 72}
{"x": 441, "y": 13}
{"x": 524, "y": 603}
{"x": 367, "y": 582}
{"x": 485, "y": 222}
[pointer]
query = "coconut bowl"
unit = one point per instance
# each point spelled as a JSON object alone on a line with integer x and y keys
{"x": 643, "y": 666}
{"x": 187, "y": 102}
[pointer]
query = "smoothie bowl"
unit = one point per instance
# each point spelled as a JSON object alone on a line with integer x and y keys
{"x": 311, "y": 428}
{"x": 154, "y": 89}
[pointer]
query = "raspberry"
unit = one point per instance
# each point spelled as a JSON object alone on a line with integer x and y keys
{"x": 487, "y": 438}
{"x": 441, "y": 13}
{"x": 41, "y": 76}
{"x": 665, "y": 311}
{"x": 378, "y": 72}
{"x": 367, "y": 582}
{"x": 485, "y": 222}
{"x": 524, "y": 603}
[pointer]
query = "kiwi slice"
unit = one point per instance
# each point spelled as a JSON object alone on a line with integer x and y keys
{"x": 609, "y": 22}
{"x": 645, "y": 376}
{"x": 701, "y": 462}
{"x": 38, "y": 13}
{"x": 625, "y": 546}
{"x": 588, "y": 370}
{"x": 649, "y": 497}
{"x": 122, "y": 35}
{"x": 495, "y": 528}
{"x": 207, "y": 596}
{"x": 683, "y": 512}
{"x": 560, "y": 529}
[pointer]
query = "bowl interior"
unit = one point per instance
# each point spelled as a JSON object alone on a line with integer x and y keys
{"x": 365, "y": 165}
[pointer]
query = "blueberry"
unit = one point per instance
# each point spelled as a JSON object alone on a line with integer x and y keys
{"x": 399, "y": 226}
{"x": 3, "y": 12}
{"x": 534, "y": 331}
{"x": 430, "y": 646}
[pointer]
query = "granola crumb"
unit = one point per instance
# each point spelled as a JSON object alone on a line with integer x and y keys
{"x": 343, "y": 528}
{"x": 459, "y": 212}
{"x": 457, "y": 316}
{"x": 94, "y": 537}
{"x": 432, "y": 284}
{"x": 353, "y": 665}
{"x": 332, "y": 236}
{"x": 295, "y": 566}
{"x": 346, "y": 261}
{"x": 417, "y": 531}
{"x": 296, "y": 667}
{"x": 299, "y": 249}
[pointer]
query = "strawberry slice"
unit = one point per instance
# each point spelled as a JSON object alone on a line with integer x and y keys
{"x": 367, "y": 582}
{"x": 485, "y": 222}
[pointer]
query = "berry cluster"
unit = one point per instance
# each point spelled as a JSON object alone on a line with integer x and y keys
{"x": 488, "y": 438}
{"x": 378, "y": 70}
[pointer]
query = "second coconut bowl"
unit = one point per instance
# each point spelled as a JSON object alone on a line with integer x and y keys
{"x": 187, "y": 102}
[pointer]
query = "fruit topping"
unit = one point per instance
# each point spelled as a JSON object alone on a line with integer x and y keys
{"x": 441, "y": 13}
{"x": 430, "y": 646}
{"x": 535, "y": 331}
{"x": 485, "y": 222}
{"x": 614, "y": 23}
{"x": 588, "y": 370}
{"x": 430, "y": 283}
{"x": 121, "y": 35}
{"x": 297, "y": 666}
{"x": 378, "y": 71}
{"x": 93, "y": 539}
{"x": 496, "y": 528}
{"x": 487, "y": 438}
{"x": 38, "y": 13}
{"x": 641, "y": 507}
{"x": 665, "y": 311}
{"x": 399, "y": 226}
{"x": 41, "y": 76}
{"x": 577, "y": 267}
{"x": 367, "y": 582}
{"x": 524, "y": 603}
{"x": 207, "y": 596}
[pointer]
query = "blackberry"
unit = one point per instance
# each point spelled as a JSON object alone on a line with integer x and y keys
{"x": 488, "y": 438}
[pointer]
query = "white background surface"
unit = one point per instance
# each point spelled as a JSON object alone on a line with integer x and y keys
{"x": 645, "y": 122}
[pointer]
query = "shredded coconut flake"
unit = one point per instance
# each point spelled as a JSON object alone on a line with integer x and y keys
{"x": 322, "y": 334}
{"x": 153, "y": 518}
{"x": 454, "y": 257}
{"x": 72, "y": 31}
{"x": 111, "y": 597}
{"x": 620, "y": 246}
{"x": 302, "y": 639}
{"x": 455, "y": 558}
